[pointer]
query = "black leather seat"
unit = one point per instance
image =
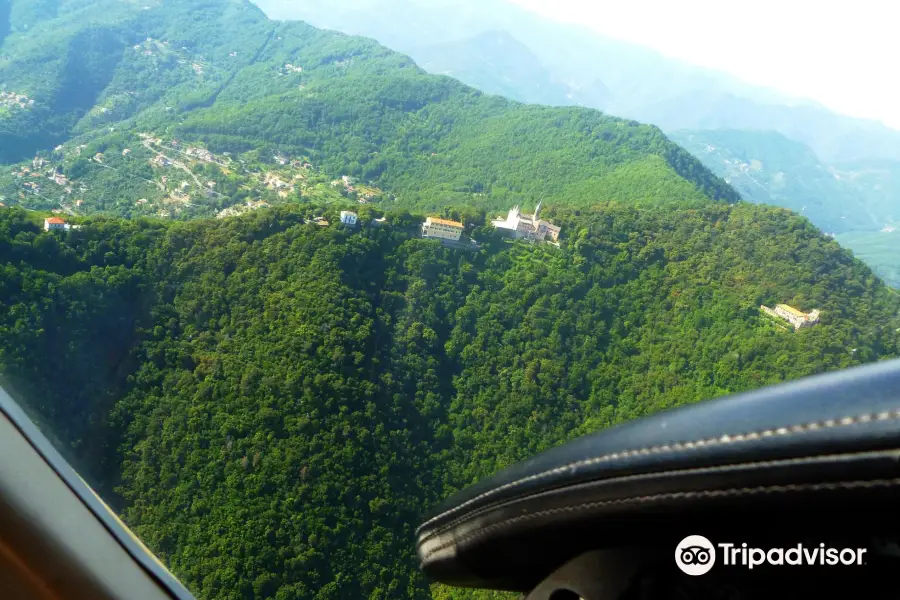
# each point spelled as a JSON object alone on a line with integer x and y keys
{"x": 819, "y": 454}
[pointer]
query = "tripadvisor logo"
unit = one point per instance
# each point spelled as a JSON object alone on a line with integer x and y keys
{"x": 696, "y": 555}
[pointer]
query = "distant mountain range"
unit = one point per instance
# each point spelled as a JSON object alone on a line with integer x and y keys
{"x": 478, "y": 61}
{"x": 641, "y": 83}
{"x": 845, "y": 170}
{"x": 768, "y": 167}
{"x": 858, "y": 201}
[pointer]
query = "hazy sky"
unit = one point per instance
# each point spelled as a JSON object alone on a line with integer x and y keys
{"x": 842, "y": 53}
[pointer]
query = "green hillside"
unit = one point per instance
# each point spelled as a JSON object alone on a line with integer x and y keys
{"x": 496, "y": 63}
{"x": 618, "y": 77}
{"x": 841, "y": 172}
{"x": 219, "y": 75}
{"x": 274, "y": 404}
{"x": 878, "y": 249}
{"x": 878, "y": 186}
{"x": 767, "y": 167}
{"x": 89, "y": 65}
{"x": 855, "y": 201}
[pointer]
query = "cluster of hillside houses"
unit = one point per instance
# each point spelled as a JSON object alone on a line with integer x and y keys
{"x": 14, "y": 99}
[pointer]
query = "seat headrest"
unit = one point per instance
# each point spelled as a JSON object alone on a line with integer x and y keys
{"x": 832, "y": 438}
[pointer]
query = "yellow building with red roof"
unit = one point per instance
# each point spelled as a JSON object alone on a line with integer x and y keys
{"x": 795, "y": 317}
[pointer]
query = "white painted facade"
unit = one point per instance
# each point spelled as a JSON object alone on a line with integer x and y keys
{"x": 434, "y": 227}
{"x": 55, "y": 223}
{"x": 530, "y": 227}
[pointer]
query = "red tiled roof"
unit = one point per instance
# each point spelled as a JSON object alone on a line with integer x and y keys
{"x": 438, "y": 221}
{"x": 56, "y": 221}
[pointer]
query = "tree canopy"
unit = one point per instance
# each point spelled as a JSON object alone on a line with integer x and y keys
{"x": 272, "y": 405}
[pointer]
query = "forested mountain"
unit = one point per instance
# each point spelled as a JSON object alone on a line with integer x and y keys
{"x": 148, "y": 90}
{"x": 85, "y": 65}
{"x": 496, "y": 63}
{"x": 104, "y": 82}
{"x": 501, "y": 48}
{"x": 274, "y": 404}
{"x": 856, "y": 201}
{"x": 577, "y": 57}
{"x": 642, "y": 84}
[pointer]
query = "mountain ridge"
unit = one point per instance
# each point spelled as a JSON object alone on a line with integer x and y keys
{"x": 580, "y": 67}
{"x": 639, "y": 76}
{"x": 526, "y": 80}
{"x": 349, "y": 105}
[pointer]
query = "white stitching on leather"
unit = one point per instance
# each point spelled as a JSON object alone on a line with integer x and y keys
{"x": 887, "y": 415}
{"x": 800, "y": 487}
{"x": 626, "y": 479}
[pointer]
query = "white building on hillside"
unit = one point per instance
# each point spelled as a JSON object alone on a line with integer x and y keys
{"x": 55, "y": 223}
{"x": 530, "y": 227}
{"x": 349, "y": 218}
{"x": 434, "y": 227}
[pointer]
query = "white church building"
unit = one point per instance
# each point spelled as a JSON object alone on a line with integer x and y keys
{"x": 530, "y": 227}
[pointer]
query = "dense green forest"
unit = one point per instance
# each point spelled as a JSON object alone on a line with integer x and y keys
{"x": 271, "y": 402}
{"x": 855, "y": 201}
{"x": 273, "y": 405}
{"x": 218, "y": 74}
